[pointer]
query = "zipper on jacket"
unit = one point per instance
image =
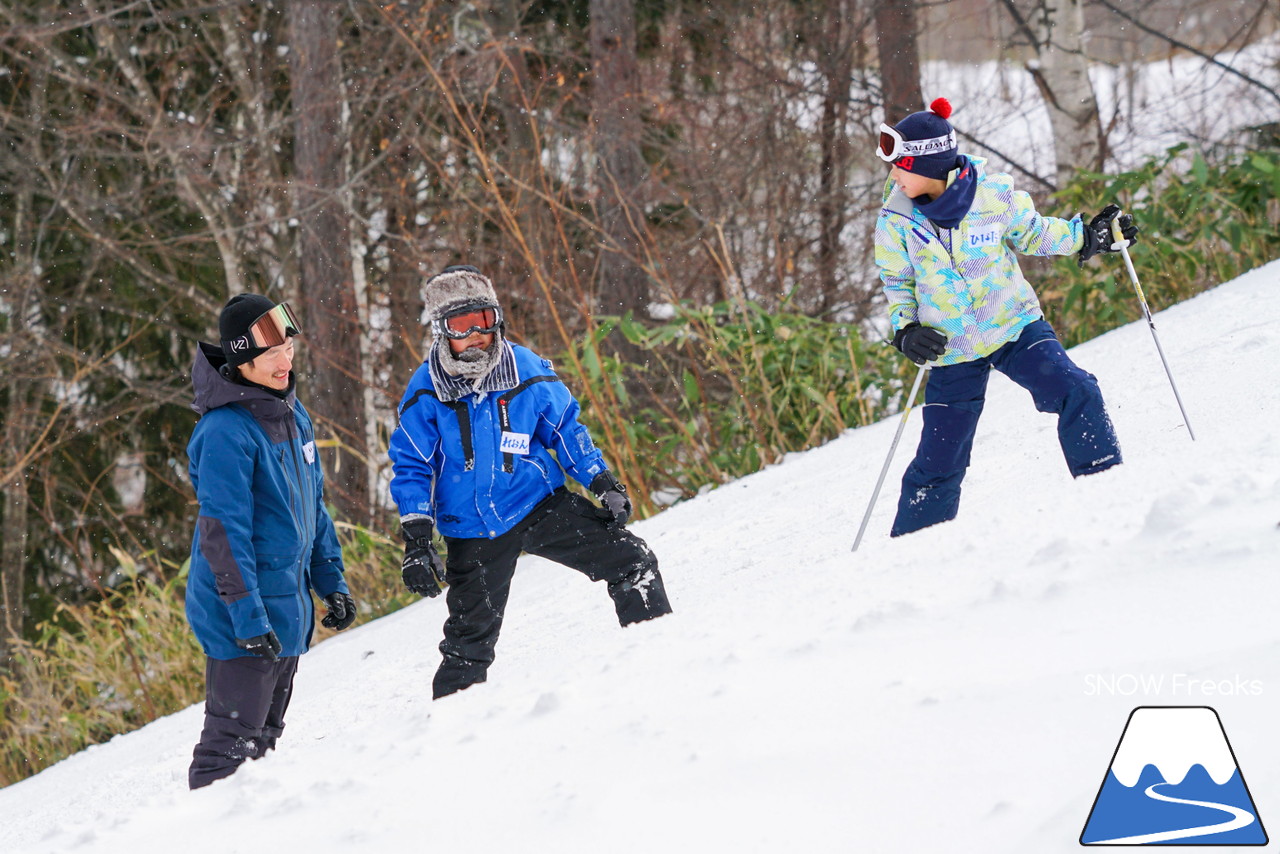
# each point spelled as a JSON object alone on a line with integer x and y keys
{"x": 534, "y": 462}
{"x": 299, "y": 517}
{"x": 948, "y": 246}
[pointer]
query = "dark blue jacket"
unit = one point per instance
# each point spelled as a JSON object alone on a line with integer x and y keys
{"x": 479, "y": 465}
{"x": 264, "y": 539}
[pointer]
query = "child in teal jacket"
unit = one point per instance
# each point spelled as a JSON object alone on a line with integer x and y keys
{"x": 945, "y": 243}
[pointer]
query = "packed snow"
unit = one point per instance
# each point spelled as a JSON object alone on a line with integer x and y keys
{"x": 960, "y": 689}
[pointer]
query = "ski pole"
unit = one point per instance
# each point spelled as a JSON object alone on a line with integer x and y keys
{"x": 1123, "y": 245}
{"x": 902, "y": 423}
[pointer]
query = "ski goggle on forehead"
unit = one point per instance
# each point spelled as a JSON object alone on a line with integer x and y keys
{"x": 465, "y": 321}
{"x": 274, "y": 327}
{"x": 892, "y": 145}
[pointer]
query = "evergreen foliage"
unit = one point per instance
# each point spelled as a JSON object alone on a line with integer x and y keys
{"x": 721, "y": 391}
{"x": 1205, "y": 219}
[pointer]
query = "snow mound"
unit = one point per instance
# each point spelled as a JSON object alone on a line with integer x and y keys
{"x": 956, "y": 689}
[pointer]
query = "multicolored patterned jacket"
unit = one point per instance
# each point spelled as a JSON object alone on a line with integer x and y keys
{"x": 966, "y": 281}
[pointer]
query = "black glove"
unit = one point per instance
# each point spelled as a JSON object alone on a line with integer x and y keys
{"x": 919, "y": 343}
{"x": 342, "y": 611}
{"x": 422, "y": 569}
{"x": 1098, "y": 236}
{"x": 615, "y": 507}
{"x": 264, "y": 646}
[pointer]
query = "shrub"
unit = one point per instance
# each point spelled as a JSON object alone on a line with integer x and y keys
{"x": 115, "y": 664}
{"x": 720, "y": 391}
{"x": 1203, "y": 222}
{"x": 94, "y": 671}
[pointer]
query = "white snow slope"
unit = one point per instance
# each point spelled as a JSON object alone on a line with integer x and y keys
{"x": 962, "y": 689}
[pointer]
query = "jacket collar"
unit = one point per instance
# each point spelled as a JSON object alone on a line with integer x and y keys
{"x": 501, "y": 377}
{"x": 948, "y": 209}
{"x": 212, "y": 390}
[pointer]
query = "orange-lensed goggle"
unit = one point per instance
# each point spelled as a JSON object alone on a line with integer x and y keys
{"x": 274, "y": 327}
{"x": 461, "y": 324}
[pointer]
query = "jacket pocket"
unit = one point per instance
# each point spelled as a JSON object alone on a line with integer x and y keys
{"x": 539, "y": 467}
{"x": 277, "y": 575}
{"x": 585, "y": 508}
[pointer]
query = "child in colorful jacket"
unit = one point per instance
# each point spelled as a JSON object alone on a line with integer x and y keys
{"x": 473, "y": 456}
{"x": 945, "y": 242}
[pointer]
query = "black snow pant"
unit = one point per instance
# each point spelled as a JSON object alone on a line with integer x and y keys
{"x": 565, "y": 528}
{"x": 245, "y": 702}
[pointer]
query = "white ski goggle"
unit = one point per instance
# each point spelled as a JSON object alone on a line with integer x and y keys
{"x": 892, "y": 145}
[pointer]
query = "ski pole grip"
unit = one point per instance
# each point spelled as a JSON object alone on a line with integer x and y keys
{"x": 1117, "y": 235}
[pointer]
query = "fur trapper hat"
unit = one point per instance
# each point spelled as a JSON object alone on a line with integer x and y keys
{"x": 458, "y": 287}
{"x": 452, "y": 288}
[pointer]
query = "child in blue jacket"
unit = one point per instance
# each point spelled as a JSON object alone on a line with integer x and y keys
{"x": 486, "y": 435}
{"x": 945, "y": 242}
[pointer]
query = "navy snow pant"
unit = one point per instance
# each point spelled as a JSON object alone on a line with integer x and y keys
{"x": 564, "y": 528}
{"x": 953, "y": 403}
{"x": 245, "y": 702}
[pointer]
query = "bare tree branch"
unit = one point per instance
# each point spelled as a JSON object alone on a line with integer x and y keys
{"x": 1190, "y": 49}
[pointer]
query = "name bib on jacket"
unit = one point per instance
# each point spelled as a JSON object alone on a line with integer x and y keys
{"x": 985, "y": 237}
{"x": 515, "y": 443}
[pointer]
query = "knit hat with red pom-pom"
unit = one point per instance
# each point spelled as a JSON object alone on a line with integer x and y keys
{"x": 929, "y": 141}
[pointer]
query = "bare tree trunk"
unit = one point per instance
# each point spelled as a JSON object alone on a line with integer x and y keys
{"x": 899, "y": 57}
{"x": 22, "y": 289}
{"x": 835, "y": 63}
{"x": 13, "y": 523}
{"x": 403, "y": 283}
{"x": 1055, "y": 29}
{"x": 327, "y": 294}
{"x": 502, "y": 19}
{"x": 620, "y": 170}
{"x": 13, "y": 551}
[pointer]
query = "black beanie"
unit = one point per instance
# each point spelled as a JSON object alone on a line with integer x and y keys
{"x": 233, "y": 327}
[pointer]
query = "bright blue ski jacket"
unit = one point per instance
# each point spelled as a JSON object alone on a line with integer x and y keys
{"x": 264, "y": 539}
{"x": 478, "y": 465}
